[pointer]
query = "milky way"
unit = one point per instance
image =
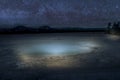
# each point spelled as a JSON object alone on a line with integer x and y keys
{"x": 78, "y": 13}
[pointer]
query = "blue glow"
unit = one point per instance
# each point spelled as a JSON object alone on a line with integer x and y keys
{"x": 60, "y": 48}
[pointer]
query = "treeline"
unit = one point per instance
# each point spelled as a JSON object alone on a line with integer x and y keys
{"x": 113, "y": 28}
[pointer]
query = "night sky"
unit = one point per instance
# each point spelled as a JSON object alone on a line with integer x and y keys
{"x": 59, "y": 13}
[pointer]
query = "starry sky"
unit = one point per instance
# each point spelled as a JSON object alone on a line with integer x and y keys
{"x": 59, "y": 13}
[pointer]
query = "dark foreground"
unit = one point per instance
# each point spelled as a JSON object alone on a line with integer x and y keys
{"x": 103, "y": 63}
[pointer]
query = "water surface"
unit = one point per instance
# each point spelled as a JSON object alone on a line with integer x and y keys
{"x": 93, "y": 51}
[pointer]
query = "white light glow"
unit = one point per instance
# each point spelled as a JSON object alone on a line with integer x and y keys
{"x": 53, "y": 54}
{"x": 54, "y": 49}
{"x": 113, "y": 37}
{"x": 59, "y": 48}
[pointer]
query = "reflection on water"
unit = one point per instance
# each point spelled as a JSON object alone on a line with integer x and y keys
{"x": 113, "y": 37}
{"x": 46, "y": 62}
{"x": 53, "y": 54}
{"x": 60, "y": 56}
{"x": 63, "y": 50}
{"x": 59, "y": 49}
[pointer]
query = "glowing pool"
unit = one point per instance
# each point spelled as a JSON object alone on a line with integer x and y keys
{"x": 57, "y": 49}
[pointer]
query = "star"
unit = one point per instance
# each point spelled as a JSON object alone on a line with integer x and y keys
{"x": 63, "y": 12}
{"x": 116, "y": 6}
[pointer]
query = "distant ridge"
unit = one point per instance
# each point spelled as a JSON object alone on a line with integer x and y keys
{"x": 46, "y": 29}
{"x": 21, "y": 29}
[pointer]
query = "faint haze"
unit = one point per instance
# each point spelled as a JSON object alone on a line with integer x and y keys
{"x": 62, "y": 13}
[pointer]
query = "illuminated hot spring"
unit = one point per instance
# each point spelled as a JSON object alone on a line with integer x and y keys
{"x": 53, "y": 54}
